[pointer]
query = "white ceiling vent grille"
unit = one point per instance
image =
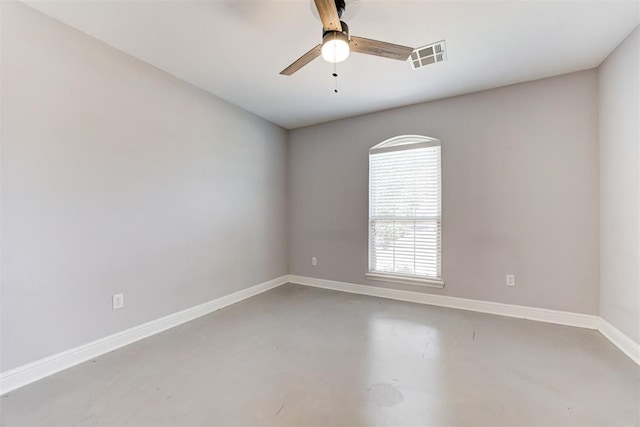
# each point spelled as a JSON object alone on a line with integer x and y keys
{"x": 428, "y": 55}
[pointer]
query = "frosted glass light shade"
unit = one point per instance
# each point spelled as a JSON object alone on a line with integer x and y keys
{"x": 335, "y": 47}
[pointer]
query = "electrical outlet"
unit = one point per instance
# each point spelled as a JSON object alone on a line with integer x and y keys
{"x": 314, "y": 261}
{"x": 118, "y": 301}
{"x": 511, "y": 279}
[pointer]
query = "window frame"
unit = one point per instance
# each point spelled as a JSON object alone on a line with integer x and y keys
{"x": 402, "y": 143}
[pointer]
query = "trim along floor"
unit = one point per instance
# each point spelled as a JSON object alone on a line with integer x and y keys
{"x": 297, "y": 355}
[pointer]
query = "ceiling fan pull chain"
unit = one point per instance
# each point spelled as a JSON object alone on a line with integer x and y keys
{"x": 335, "y": 75}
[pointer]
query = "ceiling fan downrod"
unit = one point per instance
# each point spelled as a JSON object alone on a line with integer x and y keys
{"x": 340, "y": 7}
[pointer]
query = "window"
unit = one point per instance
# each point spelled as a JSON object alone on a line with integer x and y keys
{"x": 405, "y": 218}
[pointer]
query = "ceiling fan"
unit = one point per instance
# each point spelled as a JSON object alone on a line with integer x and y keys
{"x": 337, "y": 43}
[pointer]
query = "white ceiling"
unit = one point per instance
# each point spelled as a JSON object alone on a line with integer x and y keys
{"x": 235, "y": 49}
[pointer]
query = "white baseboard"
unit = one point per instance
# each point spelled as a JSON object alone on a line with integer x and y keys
{"x": 624, "y": 343}
{"x": 522, "y": 312}
{"x": 620, "y": 340}
{"x": 26, "y": 374}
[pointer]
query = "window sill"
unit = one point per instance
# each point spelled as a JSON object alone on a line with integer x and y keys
{"x": 431, "y": 283}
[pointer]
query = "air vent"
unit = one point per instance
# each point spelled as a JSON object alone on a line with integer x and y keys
{"x": 427, "y": 55}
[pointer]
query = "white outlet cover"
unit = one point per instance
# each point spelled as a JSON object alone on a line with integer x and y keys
{"x": 314, "y": 261}
{"x": 117, "y": 301}
{"x": 511, "y": 280}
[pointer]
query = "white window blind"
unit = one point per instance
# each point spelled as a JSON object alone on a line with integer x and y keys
{"x": 405, "y": 208}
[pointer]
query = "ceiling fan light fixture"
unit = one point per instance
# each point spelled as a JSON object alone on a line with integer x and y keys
{"x": 335, "y": 46}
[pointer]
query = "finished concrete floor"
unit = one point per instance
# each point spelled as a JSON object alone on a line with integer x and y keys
{"x": 303, "y": 356}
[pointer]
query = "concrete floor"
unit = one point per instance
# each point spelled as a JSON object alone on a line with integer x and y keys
{"x": 304, "y": 356}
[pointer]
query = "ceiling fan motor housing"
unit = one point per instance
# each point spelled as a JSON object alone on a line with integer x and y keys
{"x": 344, "y": 34}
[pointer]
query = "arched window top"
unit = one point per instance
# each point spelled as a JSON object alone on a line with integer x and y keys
{"x": 404, "y": 142}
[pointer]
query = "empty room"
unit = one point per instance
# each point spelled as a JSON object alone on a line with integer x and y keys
{"x": 320, "y": 213}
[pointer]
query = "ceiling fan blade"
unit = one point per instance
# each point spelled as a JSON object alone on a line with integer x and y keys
{"x": 302, "y": 61}
{"x": 378, "y": 48}
{"x": 328, "y": 15}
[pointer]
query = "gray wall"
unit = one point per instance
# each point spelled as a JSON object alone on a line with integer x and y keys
{"x": 620, "y": 187}
{"x": 520, "y": 192}
{"x": 117, "y": 177}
